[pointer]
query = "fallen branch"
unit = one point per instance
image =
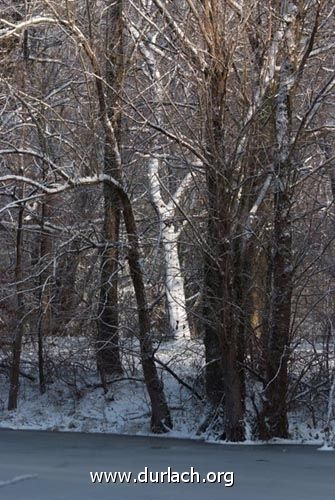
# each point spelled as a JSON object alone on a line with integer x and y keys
{"x": 181, "y": 382}
{"x": 22, "y": 373}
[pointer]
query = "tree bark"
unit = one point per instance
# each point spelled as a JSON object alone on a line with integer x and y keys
{"x": 279, "y": 338}
{"x": 174, "y": 284}
{"x": 45, "y": 314}
{"x": 108, "y": 351}
{"x": 282, "y": 269}
{"x": 223, "y": 332}
{"x": 174, "y": 280}
{"x": 17, "y": 344}
{"x": 160, "y": 416}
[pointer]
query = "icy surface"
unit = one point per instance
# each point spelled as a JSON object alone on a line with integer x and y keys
{"x": 61, "y": 463}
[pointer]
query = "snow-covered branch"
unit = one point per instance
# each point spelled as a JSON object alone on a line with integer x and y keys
{"x": 58, "y": 188}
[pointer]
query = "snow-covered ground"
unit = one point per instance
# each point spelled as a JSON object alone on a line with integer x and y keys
{"x": 75, "y": 400}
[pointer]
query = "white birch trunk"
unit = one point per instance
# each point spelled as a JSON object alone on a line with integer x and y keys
{"x": 174, "y": 281}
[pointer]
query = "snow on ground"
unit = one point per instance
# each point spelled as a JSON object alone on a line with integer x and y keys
{"x": 75, "y": 401}
{"x": 72, "y": 402}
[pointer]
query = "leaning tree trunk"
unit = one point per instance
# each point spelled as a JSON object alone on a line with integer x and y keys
{"x": 108, "y": 352}
{"x": 160, "y": 416}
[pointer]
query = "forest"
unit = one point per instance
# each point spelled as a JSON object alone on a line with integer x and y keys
{"x": 167, "y": 218}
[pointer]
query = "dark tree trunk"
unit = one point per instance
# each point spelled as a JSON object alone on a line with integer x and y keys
{"x": 233, "y": 339}
{"x": 279, "y": 338}
{"x": 160, "y": 416}
{"x": 275, "y": 406}
{"x": 108, "y": 352}
{"x": 45, "y": 313}
{"x": 212, "y": 305}
{"x": 225, "y": 347}
{"x": 223, "y": 330}
{"x": 66, "y": 297}
{"x": 17, "y": 344}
